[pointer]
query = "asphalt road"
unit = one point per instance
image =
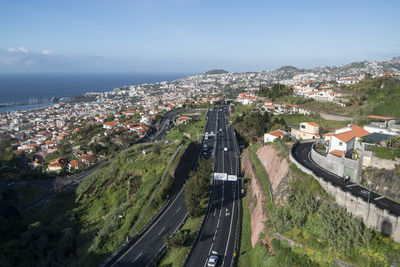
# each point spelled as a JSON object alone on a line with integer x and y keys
{"x": 217, "y": 237}
{"x": 301, "y": 153}
{"x": 151, "y": 242}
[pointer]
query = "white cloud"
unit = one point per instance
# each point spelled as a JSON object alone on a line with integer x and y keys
{"x": 19, "y": 49}
{"x": 47, "y": 52}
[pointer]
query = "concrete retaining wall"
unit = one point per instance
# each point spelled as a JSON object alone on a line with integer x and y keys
{"x": 336, "y": 165}
{"x": 372, "y": 216}
{"x": 368, "y": 159}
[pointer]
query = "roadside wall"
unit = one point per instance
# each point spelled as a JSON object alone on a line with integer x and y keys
{"x": 337, "y": 165}
{"x": 368, "y": 159}
{"x": 373, "y": 217}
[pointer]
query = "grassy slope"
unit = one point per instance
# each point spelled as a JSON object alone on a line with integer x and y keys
{"x": 92, "y": 212}
{"x": 98, "y": 212}
{"x": 197, "y": 124}
{"x": 295, "y": 119}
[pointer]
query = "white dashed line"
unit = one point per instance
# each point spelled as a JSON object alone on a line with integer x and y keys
{"x": 161, "y": 231}
{"x": 137, "y": 257}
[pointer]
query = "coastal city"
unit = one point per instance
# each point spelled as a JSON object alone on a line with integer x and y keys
{"x": 200, "y": 133}
{"x": 133, "y": 109}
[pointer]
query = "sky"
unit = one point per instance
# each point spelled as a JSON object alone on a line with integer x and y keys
{"x": 193, "y": 35}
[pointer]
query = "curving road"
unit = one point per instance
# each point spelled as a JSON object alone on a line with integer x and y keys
{"x": 301, "y": 152}
{"x": 147, "y": 245}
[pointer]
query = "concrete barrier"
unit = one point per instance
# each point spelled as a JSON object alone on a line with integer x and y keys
{"x": 372, "y": 216}
{"x": 337, "y": 165}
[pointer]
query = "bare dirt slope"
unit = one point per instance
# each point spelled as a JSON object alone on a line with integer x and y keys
{"x": 276, "y": 167}
{"x": 258, "y": 212}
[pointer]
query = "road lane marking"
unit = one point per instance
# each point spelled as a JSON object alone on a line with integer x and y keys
{"x": 230, "y": 229}
{"x": 215, "y": 210}
{"x": 178, "y": 209}
{"x": 161, "y": 230}
{"x": 144, "y": 234}
{"x": 217, "y": 223}
{"x": 351, "y": 185}
{"x": 378, "y": 198}
{"x": 137, "y": 257}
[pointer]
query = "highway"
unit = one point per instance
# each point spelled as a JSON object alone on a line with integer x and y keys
{"x": 301, "y": 152}
{"x": 149, "y": 243}
{"x": 218, "y": 234}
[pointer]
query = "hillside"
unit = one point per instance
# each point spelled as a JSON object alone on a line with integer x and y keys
{"x": 216, "y": 71}
{"x": 298, "y": 223}
{"x": 81, "y": 227}
{"x": 380, "y": 96}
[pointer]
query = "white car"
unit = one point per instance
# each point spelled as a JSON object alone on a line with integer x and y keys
{"x": 225, "y": 149}
{"x": 212, "y": 261}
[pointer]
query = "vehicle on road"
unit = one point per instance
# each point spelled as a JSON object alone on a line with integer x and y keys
{"x": 346, "y": 178}
{"x": 225, "y": 149}
{"x": 212, "y": 261}
{"x": 205, "y": 147}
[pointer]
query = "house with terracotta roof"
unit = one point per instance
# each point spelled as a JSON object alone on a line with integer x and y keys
{"x": 110, "y": 125}
{"x": 270, "y": 137}
{"x": 75, "y": 165}
{"x": 56, "y": 165}
{"x": 88, "y": 159}
{"x": 182, "y": 120}
{"x": 307, "y": 130}
{"x": 343, "y": 140}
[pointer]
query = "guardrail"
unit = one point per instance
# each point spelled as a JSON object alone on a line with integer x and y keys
{"x": 110, "y": 261}
{"x": 199, "y": 231}
{"x": 157, "y": 258}
{"x": 236, "y": 247}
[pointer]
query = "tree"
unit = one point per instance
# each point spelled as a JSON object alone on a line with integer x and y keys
{"x": 156, "y": 149}
{"x": 197, "y": 187}
{"x": 177, "y": 240}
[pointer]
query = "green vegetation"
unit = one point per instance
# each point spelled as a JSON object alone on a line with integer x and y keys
{"x": 22, "y": 196}
{"x": 262, "y": 175}
{"x": 276, "y": 91}
{"x": 295, "y": 119}
{"x": 294, "y": 100}
{"x": 80, "y": 228}
{"x": 176, "y": 256}
{"x": 198, "y": 187}
{"x": 375, "y": 96}
{"x": 196, "y": 125}
{"x": 385, "y": 152}
{"x": 322, "y": 230}
{"x": 216, "y": 71}
{"x": 196, "y": 198}
{"x": 250, "y": 125}
{"x": 323, "y": 106}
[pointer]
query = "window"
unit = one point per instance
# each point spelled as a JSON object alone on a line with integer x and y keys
{"x": 340, "y": 143}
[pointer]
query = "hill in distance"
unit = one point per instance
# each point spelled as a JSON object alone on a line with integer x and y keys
{"x": 216, "y": 71}
{"x": 287, "y": 68}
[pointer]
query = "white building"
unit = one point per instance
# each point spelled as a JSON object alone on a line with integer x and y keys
{"x": 270, "y": 137}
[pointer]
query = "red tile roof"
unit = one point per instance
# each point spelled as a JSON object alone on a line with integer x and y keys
{"x": 337, "y": 153}
{"x": 277, "y": 133}
{"x": 356, "y": 131}
{"x": 313, "y": 124}
{"x": 380, "y": 117}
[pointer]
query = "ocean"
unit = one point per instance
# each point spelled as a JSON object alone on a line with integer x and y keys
{"x": 17, "y": 88}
